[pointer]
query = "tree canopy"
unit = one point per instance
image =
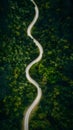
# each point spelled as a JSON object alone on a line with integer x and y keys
{"x": 54, "y": 30}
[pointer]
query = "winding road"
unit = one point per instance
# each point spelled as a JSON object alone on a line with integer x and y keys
{"x": 39, "y": 91}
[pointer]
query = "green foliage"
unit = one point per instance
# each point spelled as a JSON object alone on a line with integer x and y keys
{"x": 54, "y": 73}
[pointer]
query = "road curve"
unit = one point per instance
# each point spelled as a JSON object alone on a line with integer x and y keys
{"x": 39, "y": 91}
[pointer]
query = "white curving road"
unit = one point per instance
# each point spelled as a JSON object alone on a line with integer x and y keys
{"x": 39, "y": 91}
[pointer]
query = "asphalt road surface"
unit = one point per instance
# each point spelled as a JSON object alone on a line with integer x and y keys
{"x": 32, "y": 81}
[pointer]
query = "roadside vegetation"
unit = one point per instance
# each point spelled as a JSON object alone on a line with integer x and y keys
{"x": 54, "y": 72}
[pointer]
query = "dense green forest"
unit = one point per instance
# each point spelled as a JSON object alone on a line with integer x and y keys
{"x": 54, "y": 30}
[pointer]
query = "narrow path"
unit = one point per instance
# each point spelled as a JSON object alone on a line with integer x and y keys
{"x": 39, "y": 91}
